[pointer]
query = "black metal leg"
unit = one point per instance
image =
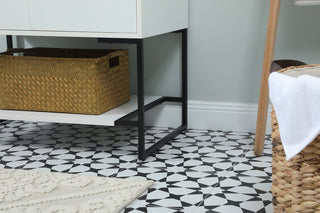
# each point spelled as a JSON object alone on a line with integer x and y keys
{"x": 184, "y": 77}
{"x": 141, "y": 111}
{"x": 9, "y": 42}
{"x": 126, "y": 120}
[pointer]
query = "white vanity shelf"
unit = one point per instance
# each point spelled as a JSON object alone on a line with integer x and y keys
{"x": 106, "y": 119}
{"x": 110, "y": 21}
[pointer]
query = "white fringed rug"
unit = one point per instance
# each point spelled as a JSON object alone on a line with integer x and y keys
{"x": 48, "y": 192}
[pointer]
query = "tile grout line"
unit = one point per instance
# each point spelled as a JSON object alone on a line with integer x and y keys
{"x": 247, "y": 149}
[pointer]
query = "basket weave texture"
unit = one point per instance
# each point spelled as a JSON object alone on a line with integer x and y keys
{"x": 296, "y": 183}
{"x": 64, "y": 80}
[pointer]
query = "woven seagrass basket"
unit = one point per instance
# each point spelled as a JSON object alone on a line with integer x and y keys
{"x": 64, "y": 80}
{"x": 296, "y": 183}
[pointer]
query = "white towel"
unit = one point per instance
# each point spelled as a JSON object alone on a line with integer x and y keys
{"x": 306, "y": 2}
{"x": 296, "y": 101}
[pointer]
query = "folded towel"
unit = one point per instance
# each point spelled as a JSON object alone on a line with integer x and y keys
{"x": 306, "y": 2}
{"x": 296, "y": 101}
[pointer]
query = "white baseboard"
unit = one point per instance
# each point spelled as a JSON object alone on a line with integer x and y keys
{"x": 209, "y": 115}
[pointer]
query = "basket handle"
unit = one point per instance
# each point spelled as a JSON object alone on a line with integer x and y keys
{"x": 113, "y": 58}
{"x": 114, "y": 61}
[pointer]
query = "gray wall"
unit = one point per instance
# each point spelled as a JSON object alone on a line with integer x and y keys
{"x": 2, "y": 43}
{"x": 226, "y": 45}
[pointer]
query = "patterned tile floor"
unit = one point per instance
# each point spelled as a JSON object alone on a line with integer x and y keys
{"x": 199, "y": 171}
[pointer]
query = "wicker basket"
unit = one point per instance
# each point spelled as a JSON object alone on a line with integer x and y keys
{"x": 296, "y": 183}
{"x": 64, "y": 80}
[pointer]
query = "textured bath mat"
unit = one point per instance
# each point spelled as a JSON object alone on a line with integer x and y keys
{"x": 48, "y": 192}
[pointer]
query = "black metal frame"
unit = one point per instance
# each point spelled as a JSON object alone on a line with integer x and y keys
{"x": 126, "y": 120}
{"x": 142, "y": 108}
{"x": 9, "y": 42}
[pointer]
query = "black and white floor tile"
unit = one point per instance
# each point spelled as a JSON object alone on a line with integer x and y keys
{"x": 199, "y": 171}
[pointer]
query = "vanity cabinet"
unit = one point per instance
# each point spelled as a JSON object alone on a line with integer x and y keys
{"x": 92, "y": 18}
{"x": 111, "y": 21}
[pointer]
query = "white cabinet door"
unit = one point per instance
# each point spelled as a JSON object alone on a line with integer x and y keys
{"x": 14, "y": 14}
{"x": 83, "y": 15}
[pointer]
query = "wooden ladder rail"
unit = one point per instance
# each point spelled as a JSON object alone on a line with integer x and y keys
{"x": 264, "y": 89}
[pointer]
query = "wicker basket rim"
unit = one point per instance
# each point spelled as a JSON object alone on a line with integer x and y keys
{"x": 108, "y": 53}
{"x": 295, "y": 67}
